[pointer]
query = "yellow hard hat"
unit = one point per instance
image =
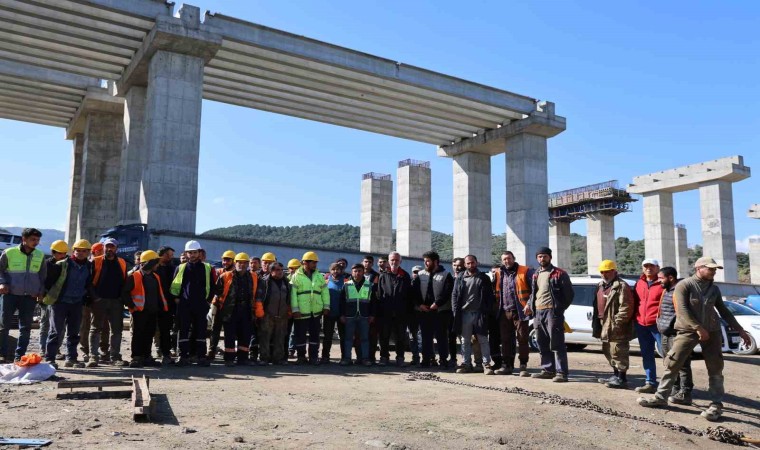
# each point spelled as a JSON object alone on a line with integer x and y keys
{"x": 310, "y": 256}
{"x": 606, "y": 265}
{"x": 242, "y": 257}
{"x": 82, "y": 244}
{"x": 228, "y": 254}
{"x": 268, "y": 256}
{"x": 148, "y": 255}
{"x": 294, "y": 264}
{"x": 60, "y": 246}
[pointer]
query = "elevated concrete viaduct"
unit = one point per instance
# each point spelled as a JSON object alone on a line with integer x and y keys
{"x": 60, "y": 58}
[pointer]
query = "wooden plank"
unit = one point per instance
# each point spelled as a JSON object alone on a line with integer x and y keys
{"x": 83, "y": 395}
{"x": 142, "y": 403}
{"x": 72, "y": 384}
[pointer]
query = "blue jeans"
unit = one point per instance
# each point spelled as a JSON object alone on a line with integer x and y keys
{"x": 648, "y": 338}
{"x": 25, "y": 304}
{"x": 468, "y": 321}
{"x": 64, "y": 317}
{"x": 550, "y": 334}
{"x": 354, "y": 324}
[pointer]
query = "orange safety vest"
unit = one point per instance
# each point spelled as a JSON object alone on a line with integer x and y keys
{"x": 227, "y": 278}
{"x": 138, "y": 292}
{"x": 521, "y": 284}
{"x": 98, "y": 263}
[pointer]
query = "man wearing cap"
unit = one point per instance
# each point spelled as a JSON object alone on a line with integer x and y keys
{"x": 98, "y": 249}
{"x": 290, "y": 344}
{"x": 309, "y": 301}
{"x": 192, "y": 289}
{"x": 235, "y": 296}
{"x": 697, "y": 298}
{"x": 228, "y": 265}
{"x": 145, "y": 298}
{"x": 273, "y": 312}
{"x": 550, "y": 295}
{"x": 59, "y": 250}
{"x": 612, "y": 322}
{"x": 22, "y": 283}
{"x": 167, "y": 330}
{"x": 267, "y": 259}
{"x": 109, "y": 275}
{"x": 648, "y": 292}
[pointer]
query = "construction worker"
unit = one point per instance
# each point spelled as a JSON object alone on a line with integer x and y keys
{"x": 293, "y": 266}
{"x": 369, "y": 272}
{"x": 228, "y": 265}
{"x": 413, "y": 323}
{"x": 273, "y": 314}
{"x": 698, "y": 305}
{"x": 335, "y": 280}
{"x": 433, "y": 287}
{"x": 551, "y": 293}
{"x": 512, "y": 282}
{"x": 647, "y": 297}
{"x": 59, "y": 250}
{"x": 183, "y": 258}
{"x": 234, "y": 300}
{"x": 457, "y": 267}
{"x": 70, "y": 282}
{"x": 109, "y": 275}
{"x": 666, "y": 318}
{"x": 193, "y": 291}
{"x": 395, "y": 301}
{"x": 371, "y": 275}
{"x": 357, "y": 304}
{"x": 267, "y": 259}
{"x": 309, "y": 301}
{"x": 612, "y": 322}
{"x": 98, "y": 249}
{"x": 167, "y": 330}
{"x": 472, "y": 301}
{"x": 255, "y": 264}
{"x": 145, "y": 296}
{"x": 382, "y": 264}
{"x": 22, "y": 283}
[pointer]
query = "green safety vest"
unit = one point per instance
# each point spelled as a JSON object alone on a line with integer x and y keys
{"x": 177, "y": 282}
{"x": 309, "y": 295}
{"x": 360, "y": 297}
{"x": 55, "y": 291}
{"x": 18, "y": 260}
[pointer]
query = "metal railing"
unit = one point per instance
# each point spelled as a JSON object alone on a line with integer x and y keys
{"x": 414, "y": 162}
{"x": 376, "y": 176}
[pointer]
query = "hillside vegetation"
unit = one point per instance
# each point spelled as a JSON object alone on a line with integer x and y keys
{"x": 346, "y": 237}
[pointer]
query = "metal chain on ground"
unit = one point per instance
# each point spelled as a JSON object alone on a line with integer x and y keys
{"x": 719, "y": 434}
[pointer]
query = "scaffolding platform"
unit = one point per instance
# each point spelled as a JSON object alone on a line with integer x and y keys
{"x": 601, "y": 198}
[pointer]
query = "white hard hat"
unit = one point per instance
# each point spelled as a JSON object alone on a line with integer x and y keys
{"x": 193, "y": 245}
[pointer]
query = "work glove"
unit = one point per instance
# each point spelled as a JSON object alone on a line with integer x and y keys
{"x": 211, "y": 313}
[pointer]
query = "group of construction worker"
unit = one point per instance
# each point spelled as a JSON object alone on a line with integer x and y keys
{"x": 267, "y": 314}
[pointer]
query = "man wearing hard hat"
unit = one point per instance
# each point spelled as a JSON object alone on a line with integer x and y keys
{"x": 228, "y": 265}
{"x": 192, "y": 289}
{"x": 267, "y": 259}
{"x": 290, "y": 344}
{"x": 59, "y": 251}
{"x": 145, "y": 297}
{"x": 234, "y": 300}
{"x": 69, "y": 283}
{"x": 309, "y": 300}
{"x": 612, "y": 322}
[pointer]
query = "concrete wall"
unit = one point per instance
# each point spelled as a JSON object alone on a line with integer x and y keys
{"x": 75, "y": 193}
{"x": 682, "y": 253}
{"x": 169, "y": 194}
{"x": 413, "y": 210}
{"x": 527, "y": 195}
{"x": 600, "y": 240}
{"x": 754, "y": 260}
{"x": 659, "y": 235}
{"x": 101, "y": 162}
{"x": 376, "y": 215}
{"x": 133, "y": 155}
{"x": 718, "y": 234}
{"x": 472, "y": 206}
{"x": 559, "y": 242}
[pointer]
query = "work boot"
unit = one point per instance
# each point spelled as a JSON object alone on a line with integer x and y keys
{"x": 383, "y": 362}
{"x": 465, "y": 368}
{"x": 607, "y": 380}
{"x": 86, "y": 357}
{"x": 314, "y": 361}
{"x": 302, "y": 361}
{"x": 69, "y": 363}
{"x": 654, "y": 401}
{"x": 325, "y": 360}
{"x": 648, "y": 388}
{"x": 229, "y": 363}
{"x": 524, "y": 370}
{"x": 488, "y": 370}
{"x": 119, "y": 362}
{"x": 415, "y": 360}
{"x": 544, "y": 375}
{"x": 150, "y": 362}
{"x": 182, "y": 361}
{"x": 713, "y": 413}
{"x": 282, "y": 362}
{"x": 54, "y": 365}
{"x": 166, "y": 361}
{"x": 93, "y": 362}
{"x": 560, "y": 378}
{"x": 203, "y": 362}
{"x": 345, "y": 362}
{"x": 478, "y": 367}
{"x": 262, "y": 363}
{"x": 367, "y": 363}
{"x": 60, "y": 357}
{"x": 105, "y": 359}
{"x": 192, "y": 359}
{"x": 504, "y": 370}
{"x": 682, "y": 397}
{"x": 291, "y": 354}
{"x": 136, "y": 363}
{"x": 425, "y": 364}
{"x": 617, "y": 383}
{"x": 211, "y": 355}
{"x": 401, "y": 363}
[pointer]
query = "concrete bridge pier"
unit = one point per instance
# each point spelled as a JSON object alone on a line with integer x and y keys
{"x": 659, "y": 228}
{"x": 413, "y": 208}
{"x": 682, "y": 251}
{"x": 600, "y": 240}
{"x": 559, "y": 242}
{"x": 472, "y": 206}
{"x": 754, "y": 248}
{"x": 376, "y": 213}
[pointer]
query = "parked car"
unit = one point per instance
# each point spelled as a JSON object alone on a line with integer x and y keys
{"x": 749, "y": 319}
{"x": 578, "y": 317}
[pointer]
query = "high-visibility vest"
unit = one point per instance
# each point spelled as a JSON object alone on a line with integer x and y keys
{"x": 227, "y": 279}
{"x": 308, "y": 295}
{"x": 361, "y": 296}
{"x": 522, "y": 287}
{"x": 138, "y": 292}
{"x": 98, "y": 264}
{"x": 17, "y": 260}
{"x": 177, "y": 282}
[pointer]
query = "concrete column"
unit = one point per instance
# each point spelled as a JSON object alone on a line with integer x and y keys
{"x": 169, "y": 192}
{"x": 559, "y": 242}
{"x": 718, "y": 236}
{"x": 472, "y": 206}
{"x": 600, "y": 240}
{"x": 659, "y": 235}
{"x": 413, "y": 217}
{"x": 75, "y": 192}
{"x": 527, "y": 196}
{"x": 754, "y": 260}
{"x": 682, "y": 252}
{"x": 101, "y": 162}
{"x": 133, "y": 156}
{"x": 376, "y": 214}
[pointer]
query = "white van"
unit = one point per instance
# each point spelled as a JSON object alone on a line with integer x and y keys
{"x": 8, "y": 239}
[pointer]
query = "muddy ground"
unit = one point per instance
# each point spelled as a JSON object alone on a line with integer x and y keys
{"x": 357, "y": 407}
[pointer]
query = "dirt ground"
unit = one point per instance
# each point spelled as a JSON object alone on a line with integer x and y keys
{"x": 356, "y": 407}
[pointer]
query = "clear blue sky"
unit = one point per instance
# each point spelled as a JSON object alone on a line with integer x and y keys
{"x": 645, "y": 86}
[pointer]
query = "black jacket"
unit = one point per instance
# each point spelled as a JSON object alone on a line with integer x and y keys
{"x": 443, "y": 284}
{"x": 395, "y": 297}
{"x": 487, "y": 300}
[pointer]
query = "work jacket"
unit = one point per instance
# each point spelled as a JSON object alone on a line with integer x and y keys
{"x": 520, "y": 286}
{"x": 443, "y": 284}
{"x": 227, "y": 289}
{"x": 360, "y": 302}
{"x": 459, "y": 297}
{"x": 24, "y": 274}
{"x": 666, "y": 316}
{"x": 395, "y": 297}
{"x": 561, "y": 290}
{"x": 647, "y": 301}
{"x": 268, "y": 304}
{"x": 617, "y": 322}
{"x": 696, "y": 303}
{"x": 134, "y": 285}
{"x": 57, "y": 282}
{"x": 179, "y": 283}
{"x": 308, "y": 296}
